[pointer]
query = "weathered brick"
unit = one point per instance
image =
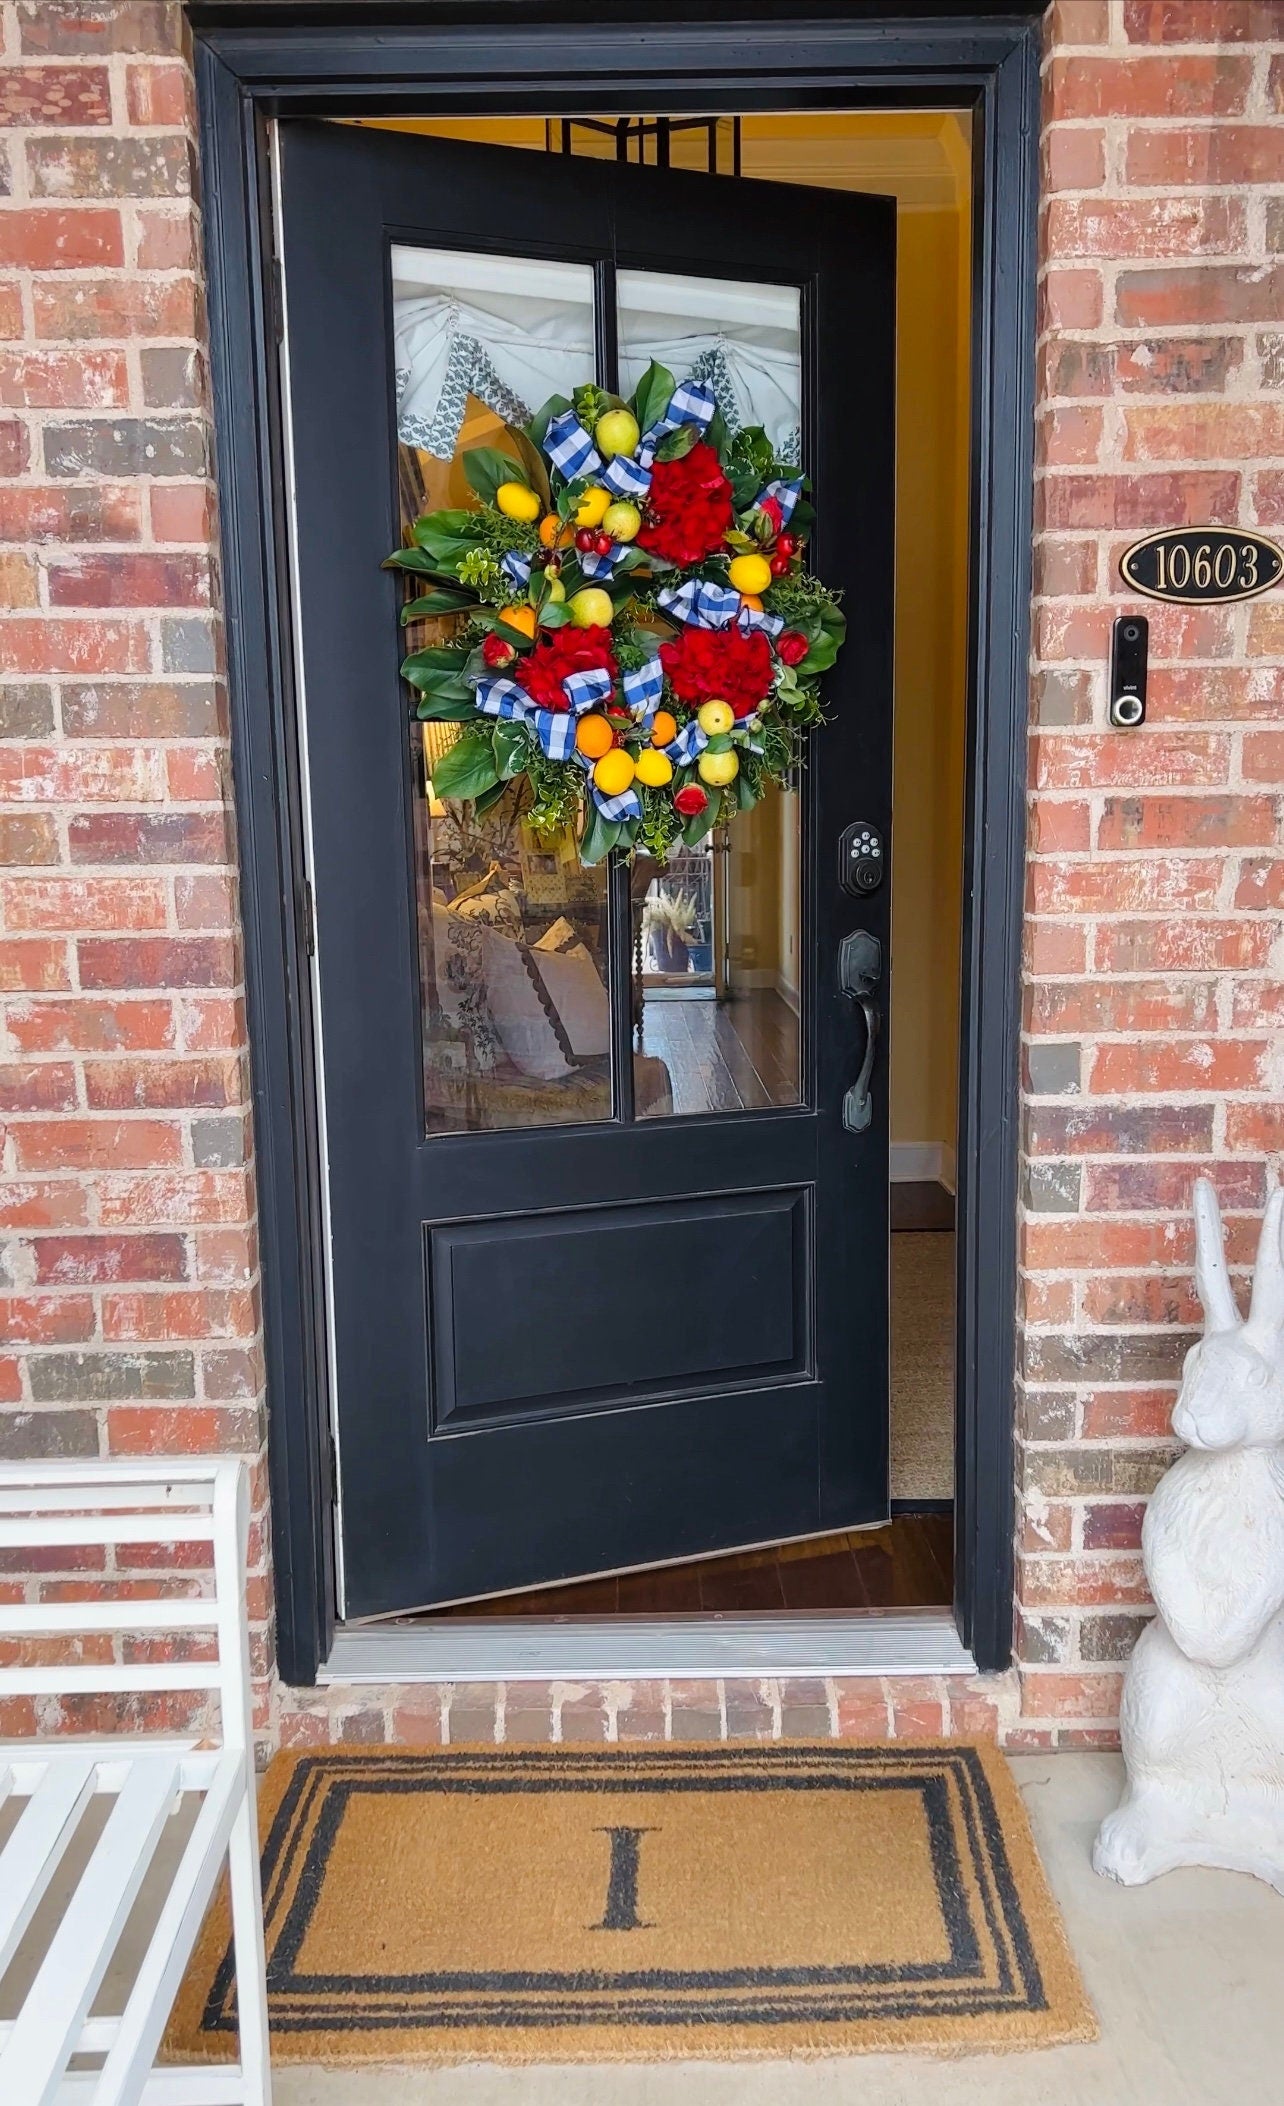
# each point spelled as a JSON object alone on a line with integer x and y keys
{"x": 43, "y": 1436}
{"x": 55, "y": 95}
{"x": 125, "y": 446}
{"x": 110, "y": 167}
{"x": 48, "y": 237}
{"x": 103, "y": 1378}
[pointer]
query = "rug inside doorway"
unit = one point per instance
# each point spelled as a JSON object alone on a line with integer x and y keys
{"x": 632, "y": 1904}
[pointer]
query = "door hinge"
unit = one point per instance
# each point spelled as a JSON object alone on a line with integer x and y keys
{"x": 308, "y": 919}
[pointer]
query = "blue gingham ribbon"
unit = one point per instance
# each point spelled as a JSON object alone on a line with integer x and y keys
{"x": 516, "y": 568}
{"x": 707, "y": 605}
{"x": 554, "y": 728}
{"x": 786, "y": 495}
{"x": 643, "y": 686}
{"x": 572, "y": 452}
{"x": 626, "y": 804}
{"x": 595, "y": 566}
{"x": 689, "y": 743}
{"x": 569, "y": 446}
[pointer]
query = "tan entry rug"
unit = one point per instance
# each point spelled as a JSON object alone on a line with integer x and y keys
{"x": 566, "y": 1904}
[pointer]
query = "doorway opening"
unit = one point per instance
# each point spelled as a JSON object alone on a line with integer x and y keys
{"x": 715, "y": 999}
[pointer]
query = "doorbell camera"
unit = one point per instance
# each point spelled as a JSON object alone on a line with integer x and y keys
{"x": 1128, "y": 646}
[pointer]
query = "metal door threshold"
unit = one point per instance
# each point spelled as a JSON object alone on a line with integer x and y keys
{"x": 624, "y": 1648}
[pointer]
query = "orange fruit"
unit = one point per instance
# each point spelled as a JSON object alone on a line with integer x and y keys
{"x": 520, "y": 618}
{"x": 751, "y": 599}
{"x": 594, "y": 736}
{"x": 554, "y": 532}
{"x": 664, "y": 728}
{"x": 614, "y": 772}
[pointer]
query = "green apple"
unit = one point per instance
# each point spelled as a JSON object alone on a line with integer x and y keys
{"x": 616, "y": 432}
{"x": 621, "y": 521}
{"x": 591, "y": 608}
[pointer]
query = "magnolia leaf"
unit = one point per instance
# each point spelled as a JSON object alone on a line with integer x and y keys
{"x": 532, "y": 460}
{"x": 448, "y": 524}
{"x": 677, "y": 444}
{"x": 745, "y": 794}
{"x": 440, "y": 658}
{"x": 701, "y": 823}
{"x": 465, "y": 770}
{"x": 444, "y": 599}
{"x": 600, "y": 836}
{"x": 653, "y": 394}
{"x": 717, "y": 435}
{"x": 416, "y": 559}
{"x": 553, "y": 615}
{"x": 482, "y": 804}
{"x": 487, "y": 468}
{"x": 443, "y": 709}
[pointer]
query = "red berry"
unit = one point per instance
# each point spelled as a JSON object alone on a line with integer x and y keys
{"x": 779, "y": 565}
{"x": 690, "y": 800}
{"x": 496, "y": 652}
{"x": 792, "y": 647}
{"x": 586, "y": 541}
{"x": 786, "y": 545}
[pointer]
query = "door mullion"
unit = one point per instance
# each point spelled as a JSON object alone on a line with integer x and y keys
{"x": 619, "y": 899}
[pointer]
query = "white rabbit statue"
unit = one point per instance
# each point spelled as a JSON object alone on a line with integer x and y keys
{"x": 1203, "y": 1701}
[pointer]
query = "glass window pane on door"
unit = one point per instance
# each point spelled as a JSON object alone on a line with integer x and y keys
{"x": 717, "y": 930}
{"x": 513, "y": 936}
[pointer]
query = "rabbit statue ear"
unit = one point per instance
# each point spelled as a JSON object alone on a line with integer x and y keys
{"x": 1266, "y": 1313}
{"x": 1212, "y": 1281}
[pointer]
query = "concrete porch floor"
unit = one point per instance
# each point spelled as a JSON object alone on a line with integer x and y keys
{"x": 1185, "y": 1976}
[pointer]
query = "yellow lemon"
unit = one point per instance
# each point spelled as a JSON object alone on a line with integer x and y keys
{"x": 520, "y": 618}
{"x": 654, "y": 769}
{"x": 593, "y": 507}
{"x": 616, "y": 432}
{"x": 715, "y": 718}
{"x": 614, "y": 772}
{"x": 515, "y": 501}
{"x": 664, "y": 727}
{"x": 594, "y": 736}
{"x": 718, "y": 769}
{"x": 591, "y": 608}
{"x": 749, "y": 573}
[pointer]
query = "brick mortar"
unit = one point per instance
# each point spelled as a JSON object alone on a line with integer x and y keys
{"x": 1152, "y": 923}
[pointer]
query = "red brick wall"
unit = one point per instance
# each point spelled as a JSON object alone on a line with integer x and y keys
{"x": 128, "y": 1286}
{"x": 1153, "y": 999}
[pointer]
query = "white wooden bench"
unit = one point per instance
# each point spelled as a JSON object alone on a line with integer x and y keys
{"x": 142, "y": 1777}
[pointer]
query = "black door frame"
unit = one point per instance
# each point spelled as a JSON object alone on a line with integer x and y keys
{"x": 258, "y": 59}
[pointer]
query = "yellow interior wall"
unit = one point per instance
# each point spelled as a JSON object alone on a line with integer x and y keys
{"x": 921, "y": 158}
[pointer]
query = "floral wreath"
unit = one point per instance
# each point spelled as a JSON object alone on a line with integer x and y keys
{"x": 634, "y": 628}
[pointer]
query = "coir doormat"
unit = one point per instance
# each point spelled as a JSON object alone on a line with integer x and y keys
{"x": 606, "y": 1904}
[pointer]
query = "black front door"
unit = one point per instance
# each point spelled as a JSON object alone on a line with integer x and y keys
{"x": 608, "y": 1264}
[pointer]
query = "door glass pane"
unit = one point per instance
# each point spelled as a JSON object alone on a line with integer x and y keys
{"x": 512, "y": 932}
{"x": 717, "y": 930}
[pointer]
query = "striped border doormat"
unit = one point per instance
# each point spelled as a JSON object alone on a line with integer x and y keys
{"x": 632, "y": 1904}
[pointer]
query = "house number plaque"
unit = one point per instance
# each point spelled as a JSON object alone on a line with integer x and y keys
{"x": 1197, "y": 566}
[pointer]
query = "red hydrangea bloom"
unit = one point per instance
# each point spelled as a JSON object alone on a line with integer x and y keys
{"x": 688, "y": 508}
{"x": 559, "y": 652}
{"x": 704, "y": 665}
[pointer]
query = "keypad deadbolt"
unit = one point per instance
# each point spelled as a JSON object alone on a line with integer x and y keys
{"x": 862, "y": 858}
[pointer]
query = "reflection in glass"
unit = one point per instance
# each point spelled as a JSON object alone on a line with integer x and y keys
{"x": 512, "y": 932}
{"x": 716, "y": 964}
{"x": 744, "y": 339}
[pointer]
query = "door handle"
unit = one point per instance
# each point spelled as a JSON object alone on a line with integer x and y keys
{"x": 860, "y": 968}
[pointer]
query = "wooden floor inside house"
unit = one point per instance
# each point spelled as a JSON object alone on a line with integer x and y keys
{"x": 906, "y": 1564}
{"x": 739, "y": 1055}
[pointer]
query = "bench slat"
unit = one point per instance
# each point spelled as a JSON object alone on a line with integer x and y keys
{"x": 81, "y": 1681}
{"x": 186, "y": 1612}
{"x": 43, "y": 1530}
{"x": 35, "y": 1849}
{"x": 165, "y": 1961}
{"x": 35, "y": 2055}
{"x": 164, "y": 2087}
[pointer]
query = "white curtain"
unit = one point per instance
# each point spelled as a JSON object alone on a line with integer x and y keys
{"x": 513, "y": 331}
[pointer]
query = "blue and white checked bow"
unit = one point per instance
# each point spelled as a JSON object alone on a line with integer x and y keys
{"x": 554, "y": 728}
{"x": 690, "y": 742}
{"x": 595, "y": 566}
{"x": 516, "y": 568}
{"x": 643, "y": 686}
{"x": 786, "y": 495}
{"x": 625, "y": 804}
{"x": 707, "y": 605}
{"x": 572, "y": 452}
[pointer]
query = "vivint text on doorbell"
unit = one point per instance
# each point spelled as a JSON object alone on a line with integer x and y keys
{"x": 1128, "y": 671}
